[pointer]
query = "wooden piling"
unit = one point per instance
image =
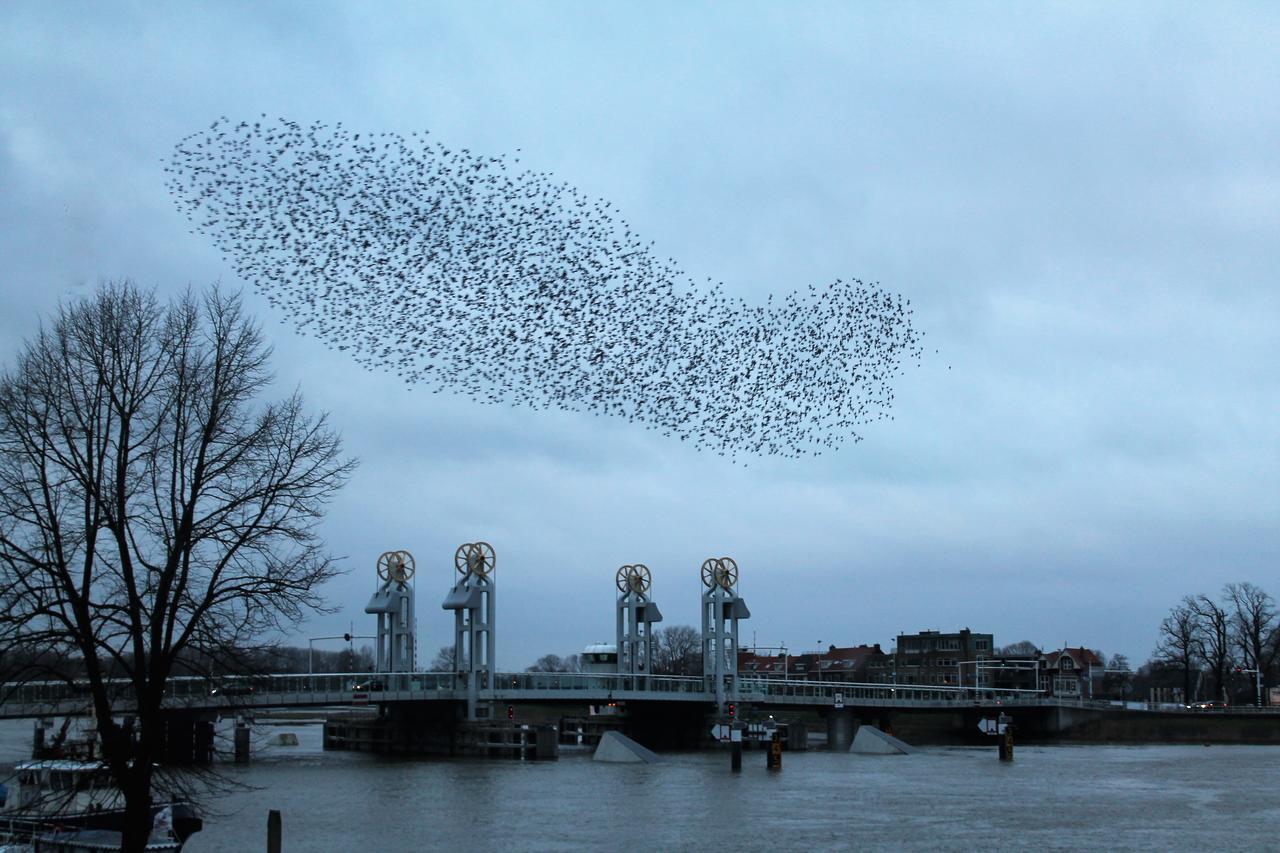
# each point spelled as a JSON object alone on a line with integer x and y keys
{"x": 273, "y": 831}
{"x": 242, "y": 743}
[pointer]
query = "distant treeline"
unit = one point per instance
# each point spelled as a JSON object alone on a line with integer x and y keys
{"x": 17, "y": 664}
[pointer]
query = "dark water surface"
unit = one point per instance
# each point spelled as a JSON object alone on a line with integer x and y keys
{"x": 1056, "y": 798}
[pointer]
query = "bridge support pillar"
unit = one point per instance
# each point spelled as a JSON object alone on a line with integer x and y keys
{"x": 474, "y": 614}
{"x": 839, "y": 729}
{"x": 186, "y": 737}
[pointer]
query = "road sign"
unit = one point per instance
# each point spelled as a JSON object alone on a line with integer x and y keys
{"x": 839, "y": 700}
{"x": 989, "y": 726}
{"x": 720, "y": 732}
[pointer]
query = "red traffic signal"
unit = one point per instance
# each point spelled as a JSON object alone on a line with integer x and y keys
{"x": 733, "y": 710}
{"x": 511, "y": 712}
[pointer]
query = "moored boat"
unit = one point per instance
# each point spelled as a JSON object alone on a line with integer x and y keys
{"x": 65, "y": 805}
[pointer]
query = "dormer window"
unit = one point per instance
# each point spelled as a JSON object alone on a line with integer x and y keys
{"x": 1065, "y": 663}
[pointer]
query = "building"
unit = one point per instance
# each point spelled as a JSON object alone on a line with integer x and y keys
{"x": 1074, "y": 673}
{"x": 863, "y": 664}
{"x": 1015, "y": 672}
{"x": 949, "y": 660}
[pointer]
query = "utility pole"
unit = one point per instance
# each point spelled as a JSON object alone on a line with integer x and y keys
{"x": 1257, "y": 684}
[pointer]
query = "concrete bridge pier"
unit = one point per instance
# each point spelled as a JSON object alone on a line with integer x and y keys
{"x": 188, "y": 738}
{"x": 840, "y": 727}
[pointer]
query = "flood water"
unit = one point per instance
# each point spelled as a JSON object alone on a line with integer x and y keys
{"x": 1049, "y": 797}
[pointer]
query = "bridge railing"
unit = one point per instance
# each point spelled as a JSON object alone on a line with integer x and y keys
{"x": 595, "y": 682}
{"x": 195, "y": 687}
{"x": 853, "y": 692}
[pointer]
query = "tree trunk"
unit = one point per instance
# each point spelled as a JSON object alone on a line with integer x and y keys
{"x": 137, "y": 812}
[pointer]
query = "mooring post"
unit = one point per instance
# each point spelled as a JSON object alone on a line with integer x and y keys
{"x": 1006, "y": 739}
{"x": 774, "y": 761}
{"x": 273, "y": 831}
{"x": 242, "y": 742}
{"x": 735, "y": 756}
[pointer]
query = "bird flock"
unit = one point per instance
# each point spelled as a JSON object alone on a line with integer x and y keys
{"x": 465, "y": 272}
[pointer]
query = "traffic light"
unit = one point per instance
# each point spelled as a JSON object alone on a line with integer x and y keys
{"x": 733, "y": 710}
{"x": 511, "y": 712}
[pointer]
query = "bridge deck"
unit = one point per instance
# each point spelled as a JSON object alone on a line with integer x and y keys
{"x": 38, "y": 699}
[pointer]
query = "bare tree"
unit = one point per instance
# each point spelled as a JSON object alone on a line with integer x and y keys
{"x": 547, "y": 663}
{"x": 1214, "y": 639}
{"x": 678, "y": 651}
{"x": 1254, "y": 628}
{"x": 1179, "y": 644}
{"x": 1020, "y": 649}
{"x": 1118, "y": 678}
{"x": 151, "y": 511}
{"x": 443, "y": 661}
{"x": 555, "y": 663}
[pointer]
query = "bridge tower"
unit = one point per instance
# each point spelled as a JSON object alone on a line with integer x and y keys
{"x": 722, "y": 607}
{"x": 393, "y": 604}
{"x": 472, "y": 603}
{"x": 637, "y": 614}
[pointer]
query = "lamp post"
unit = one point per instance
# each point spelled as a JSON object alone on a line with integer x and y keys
{"x": 311, "y": 651}
{"x": 311, "y": 647}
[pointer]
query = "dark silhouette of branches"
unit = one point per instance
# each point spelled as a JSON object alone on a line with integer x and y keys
{"x": 1213, "y": 626}
{"x": 1254, "y": 628}
{"x": 678, "y": 651}
{"x": 1179, "y": 644}
{"x": 152, "y": 511}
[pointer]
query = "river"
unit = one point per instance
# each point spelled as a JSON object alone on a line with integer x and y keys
{"x": 1049, "y": 797}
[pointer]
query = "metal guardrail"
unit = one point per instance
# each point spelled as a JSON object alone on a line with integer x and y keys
{"x": 856, "y": 692}
{"x": 416, "y": 683}
{"x": 303, "y": 689}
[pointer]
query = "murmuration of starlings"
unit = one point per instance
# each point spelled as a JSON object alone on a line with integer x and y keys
{"x": 465, "y": 272}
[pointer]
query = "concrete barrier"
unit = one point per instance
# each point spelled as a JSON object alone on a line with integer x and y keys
{"x": 871, "y": 741}
{"x": 616, "y": 747}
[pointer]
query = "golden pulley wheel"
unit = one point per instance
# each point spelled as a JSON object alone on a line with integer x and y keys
{"x": 728, "y": 574}
{"x": 395, "y": 565}
{"x": 719, "y": 571}
{"x": 709, "y": 572}
{"x": 476, "y": 558}
{"x": 621, "y": 579}
{"x": 638, "y": 579}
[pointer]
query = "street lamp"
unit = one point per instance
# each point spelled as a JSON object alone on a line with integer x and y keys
{"x": 344, "y": 637}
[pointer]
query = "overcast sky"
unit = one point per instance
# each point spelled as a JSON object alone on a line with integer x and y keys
{"x": 1081, "y": 202}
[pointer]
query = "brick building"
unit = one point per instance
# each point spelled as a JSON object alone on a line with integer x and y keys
{"x": 849, "y": 663}
{"x": 932, "y": 657}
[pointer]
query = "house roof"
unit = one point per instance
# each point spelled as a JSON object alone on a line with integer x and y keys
{"x": 839, "y": 658}
{"x": 1083, "y": 658}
